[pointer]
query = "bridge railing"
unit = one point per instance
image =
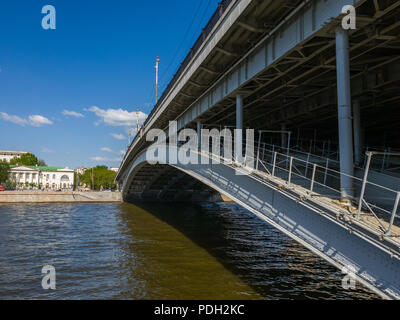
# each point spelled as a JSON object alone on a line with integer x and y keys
{"x": 384, "y": 160}
{"x": 367, "y": 198}
{"x": 369, "y": 202}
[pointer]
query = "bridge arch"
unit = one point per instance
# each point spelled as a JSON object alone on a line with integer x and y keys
{"x": 164, "y": 182}
{"x": 339, "y": 243}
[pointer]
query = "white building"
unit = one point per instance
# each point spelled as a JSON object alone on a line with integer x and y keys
{"x": 7, "y": 155}
{"x": 42, "y": 177}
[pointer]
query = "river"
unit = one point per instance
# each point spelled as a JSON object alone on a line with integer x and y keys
{"x": 157, "y": 251}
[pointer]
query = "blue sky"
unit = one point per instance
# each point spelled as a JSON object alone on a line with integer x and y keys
{"x": 67, "y": 95}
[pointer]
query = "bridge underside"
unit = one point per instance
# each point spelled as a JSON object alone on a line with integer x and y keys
{"x": 162, "y": 182}
{"x": 299, "y": 89}
{"x": 300, "y": 92}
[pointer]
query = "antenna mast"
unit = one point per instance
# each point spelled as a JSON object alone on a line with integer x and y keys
{"x": 156, "y": 67}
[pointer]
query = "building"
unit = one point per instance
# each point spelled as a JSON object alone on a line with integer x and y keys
{"x": 7, "y": 155}
{"x": 115, "y": 169}
{"x": 41, "y": 177}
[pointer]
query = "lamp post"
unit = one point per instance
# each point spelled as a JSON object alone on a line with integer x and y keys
{"x": 156, "y": 67}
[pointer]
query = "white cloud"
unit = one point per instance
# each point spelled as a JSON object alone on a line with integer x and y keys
{"x": 131, "y": 131}
{"x": 38, "y": 120}
{"x": 72, "y": 114}
{"x": 118, "y": 117}
{"x": 13, "y": 119}
{"x": 117, "y": 136}
{"x": 106, "y": 159}
{"x": 47, "y": 150}
{"x": 106, "y": 149}
{"x": 33, "y": 120}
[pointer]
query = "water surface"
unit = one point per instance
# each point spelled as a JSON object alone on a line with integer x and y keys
{"x": 158, "y": 251}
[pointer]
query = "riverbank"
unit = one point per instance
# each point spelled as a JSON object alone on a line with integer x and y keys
{"x": 54, "y": 196}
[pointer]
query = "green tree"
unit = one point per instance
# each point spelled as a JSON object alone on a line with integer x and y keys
{"x": 4, "y": 170}
{"x": 41, "y": 163}
{"x": 27, "y": 159}
{"x": 97, "y": 177}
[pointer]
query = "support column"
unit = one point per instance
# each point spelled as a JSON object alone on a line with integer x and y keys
{"x": 357, "y": 132}
{"x": 344, "y": 113}
{"x": 198, "y": 135}
{"x": 239, "y": 125}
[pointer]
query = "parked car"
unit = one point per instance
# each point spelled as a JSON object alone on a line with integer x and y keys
{"x": 2, "y": 188}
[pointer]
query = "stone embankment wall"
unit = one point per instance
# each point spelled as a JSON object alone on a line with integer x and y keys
{"x": 43, "y": 197}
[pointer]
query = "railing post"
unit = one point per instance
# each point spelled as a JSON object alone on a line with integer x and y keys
{"x": 313, "y": 177}
{"x": 258, "y": 158}
{"x": 274, "y": 164}
{"x": 308, "y": 160}
{"x": 396, "y": 205}
{"x": 263, "y": 151}
{"x": 258, "y": 148}
{"x": 388, "y": 159}
{"x": 383, "y": 160}
{"x": 369, "y": 155}
{"x": 326, "y": 170}
{"x": 290, "y": 170}
{"x": 287, "y": 161}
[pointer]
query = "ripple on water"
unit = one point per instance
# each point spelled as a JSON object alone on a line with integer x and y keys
{"x": 179, "y": 251}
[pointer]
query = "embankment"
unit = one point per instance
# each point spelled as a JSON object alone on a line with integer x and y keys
{"x": 52, "y": 196}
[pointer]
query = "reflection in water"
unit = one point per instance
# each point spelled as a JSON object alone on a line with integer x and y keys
{"x": 158, "y": 251}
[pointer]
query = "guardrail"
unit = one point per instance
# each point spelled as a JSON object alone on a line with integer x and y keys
{"x": 368, "y": 199}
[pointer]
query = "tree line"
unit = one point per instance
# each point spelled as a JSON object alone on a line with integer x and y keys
{"x": 98, "y": 178}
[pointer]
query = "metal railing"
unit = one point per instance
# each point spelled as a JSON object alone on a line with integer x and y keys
{"x": 321, "y": 183}
{"x": 385, "y": 159}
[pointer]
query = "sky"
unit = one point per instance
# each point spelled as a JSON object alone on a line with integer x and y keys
{"x": 69, "y": 95}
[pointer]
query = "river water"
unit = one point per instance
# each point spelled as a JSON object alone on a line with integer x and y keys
{"x": 160, "y": 251}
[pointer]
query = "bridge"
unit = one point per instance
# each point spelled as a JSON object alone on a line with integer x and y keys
{"x": 322, "y": 101}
